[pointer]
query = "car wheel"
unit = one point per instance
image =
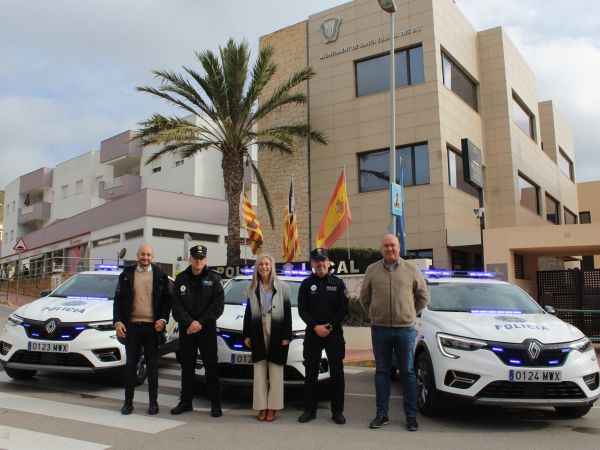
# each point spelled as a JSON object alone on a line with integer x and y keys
{"x": 429, "y": 400}
{"x": 141, "y": 369}
{"x": 573, "y": 412}
{"x": 20, "y": 374}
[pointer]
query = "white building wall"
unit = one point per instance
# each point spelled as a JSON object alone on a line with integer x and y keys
{"x": 11, "y": 212}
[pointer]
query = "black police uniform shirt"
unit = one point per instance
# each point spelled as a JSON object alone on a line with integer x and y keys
{"x": 322, "y": 301}
{"x": 197, "y": 297}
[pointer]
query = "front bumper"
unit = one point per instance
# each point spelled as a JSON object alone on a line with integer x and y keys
{"x": 481, "y": 377}
{"x": 91, "y": 351}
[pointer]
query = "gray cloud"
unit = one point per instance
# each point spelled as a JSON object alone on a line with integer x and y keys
{"x": 68, "y": 68}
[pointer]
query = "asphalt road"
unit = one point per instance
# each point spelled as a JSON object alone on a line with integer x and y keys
{"x": 58, "y": 411}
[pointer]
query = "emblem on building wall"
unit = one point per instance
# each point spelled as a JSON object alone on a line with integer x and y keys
{"x": 330, "y": 28}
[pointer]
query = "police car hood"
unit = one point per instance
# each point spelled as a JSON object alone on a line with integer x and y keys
{"x": 233, "y": 318}
{"x": 68, "y": 309}
{"x": 513, "y": 328}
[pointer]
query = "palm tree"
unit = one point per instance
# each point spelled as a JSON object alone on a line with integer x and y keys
{"x": 225, "y": 100}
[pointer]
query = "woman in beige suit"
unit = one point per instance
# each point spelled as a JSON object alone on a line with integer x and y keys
{"x": 268, "y": 332}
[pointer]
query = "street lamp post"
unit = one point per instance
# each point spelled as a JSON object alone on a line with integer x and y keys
{"x": 389, "y": 6}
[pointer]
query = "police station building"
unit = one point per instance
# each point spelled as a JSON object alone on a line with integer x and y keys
{"x": 453, "y": 82}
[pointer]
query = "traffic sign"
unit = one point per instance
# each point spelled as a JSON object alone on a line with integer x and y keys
{"x": 20, "y": 246}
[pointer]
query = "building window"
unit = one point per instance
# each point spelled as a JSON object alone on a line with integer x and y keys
{"x": 78, "y": 186}
{"x": 455, "y": 173}
{"x": 156, "y": 169}
{"x": 64, "y": 191}
{"x": 134, "y": 234}
{"x": 587, "y": 262}
{"x": 179, "y": 162}
{"x": 107, "y": 241}
{"x": 523, "y": 117}
{"x": 552, "y": 208}
{"x": 459, "y": 82}
{"x": 565, "y": 164}
{"x": 529, "y": 195}
{"x": 174, "y": 234}
{"x": 585, "y": 217}
{"x": 519, "y": 267}
{"x": 373, "y": 74}
{"x": 570, "y": 218}
{"x": 374, "y": 167}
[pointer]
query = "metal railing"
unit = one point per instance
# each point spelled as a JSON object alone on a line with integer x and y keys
{"x": 587, "y": 320}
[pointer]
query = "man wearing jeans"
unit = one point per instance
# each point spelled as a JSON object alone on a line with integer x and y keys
{"x": 394, "y": 292}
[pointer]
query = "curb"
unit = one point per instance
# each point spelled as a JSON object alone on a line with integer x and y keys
{"x": 360, "y": 363}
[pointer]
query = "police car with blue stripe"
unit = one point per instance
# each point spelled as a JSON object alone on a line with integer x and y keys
{"x": 488, "y": 342}
{"x": 71, "y": 330}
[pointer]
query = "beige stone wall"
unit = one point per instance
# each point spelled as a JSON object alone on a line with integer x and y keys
{"x": 589, "y": 200}
{"x": 276, "y": 168}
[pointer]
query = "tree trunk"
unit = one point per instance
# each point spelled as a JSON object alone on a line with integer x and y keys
{"x": 233, "y": 176}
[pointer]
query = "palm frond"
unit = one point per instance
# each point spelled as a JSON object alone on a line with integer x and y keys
{"x": 262, "y": 72}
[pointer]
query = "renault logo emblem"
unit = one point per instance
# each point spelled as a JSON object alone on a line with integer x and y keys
{"x": 51, "y": 326}
{"x": 534, "y": 350}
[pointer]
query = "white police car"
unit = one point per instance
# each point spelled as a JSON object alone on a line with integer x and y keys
{"x": 235, "y": 359}
{"x": 489, "y": 342}
{"x": 71, "y": 330}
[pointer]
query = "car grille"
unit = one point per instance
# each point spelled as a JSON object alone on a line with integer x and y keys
{"x": 50, "y": 359}
{"x": 592, "y": 381}
{"x": 36, "y": 329}
{"x": 550, "y": 355}
{"x": 246, "y": 372}
{"x": 107, "y": 354}
{"x": 508, "y": 389}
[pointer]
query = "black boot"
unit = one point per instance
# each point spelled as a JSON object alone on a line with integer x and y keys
{"x": 127, "y": 408}
{"x": 182, "y": 406}
{"x": 215, "y": 408}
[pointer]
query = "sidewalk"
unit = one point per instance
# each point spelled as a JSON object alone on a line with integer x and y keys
{"x": 13, "y": 301}
{"x": 358, "y": 347}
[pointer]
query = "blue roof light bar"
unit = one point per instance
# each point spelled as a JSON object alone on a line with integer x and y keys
{"x": 440, "y": 273}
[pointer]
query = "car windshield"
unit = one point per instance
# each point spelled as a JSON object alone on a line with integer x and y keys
{"x": 235, "y": 291}
{"x": 92, "y": 286}
{"x": 481, "y": 298}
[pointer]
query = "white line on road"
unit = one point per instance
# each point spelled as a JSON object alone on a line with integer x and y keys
{"x": 98, "y": 391}
{"x": 87, "y": 414}
{"x": 354, "y": 370}
{"x": 351, "y": 394}
{"x": 17, "y": 438}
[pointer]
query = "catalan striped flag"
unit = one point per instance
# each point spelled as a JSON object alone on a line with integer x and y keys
{"x": 291, "y": 242}
{"x": 252, "y": 225}
{"x": 337, "y": 215}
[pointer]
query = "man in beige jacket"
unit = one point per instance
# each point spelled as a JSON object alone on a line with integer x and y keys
{"x": 394, "y": 292}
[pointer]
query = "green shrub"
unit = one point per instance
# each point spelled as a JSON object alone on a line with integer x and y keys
{"x": 357, "y": 316}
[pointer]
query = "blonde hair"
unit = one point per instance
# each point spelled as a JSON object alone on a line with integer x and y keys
{"x": 256, "y": 276}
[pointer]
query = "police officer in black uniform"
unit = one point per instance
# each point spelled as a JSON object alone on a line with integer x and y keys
{"x": 197, "y": 302}
{"x": 323, "y": 304}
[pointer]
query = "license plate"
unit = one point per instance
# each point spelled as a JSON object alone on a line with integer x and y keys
{"x": 54, "y": 347}
{"x": 241, "y": 358}
{"x": 535, "y": 376}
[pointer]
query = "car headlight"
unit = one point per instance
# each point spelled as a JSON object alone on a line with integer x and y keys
{"x": 447, "y": 341}
{"x": 581, "y": 345}
{"x": 102, "y": 326}
{"x": 14, "y": 320}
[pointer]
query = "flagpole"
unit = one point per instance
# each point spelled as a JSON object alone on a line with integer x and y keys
{"x": 347, "y": 225}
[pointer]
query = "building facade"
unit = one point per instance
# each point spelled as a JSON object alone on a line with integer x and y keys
{"x": 85, "y": 210}
{"x": 452, "y": 83}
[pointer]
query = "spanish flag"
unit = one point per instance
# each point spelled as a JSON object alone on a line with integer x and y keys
{"x": 252, "y": 225}
{"x": 337, "y": 215}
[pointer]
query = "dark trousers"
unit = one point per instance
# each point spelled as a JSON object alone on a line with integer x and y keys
{"x": 206, "y": 341}
{"x": 138, "y": 337}
{"x": 335, "y": 348}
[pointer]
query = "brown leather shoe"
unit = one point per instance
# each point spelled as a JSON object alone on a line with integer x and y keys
{"x": 262, "y": 415}
{"x": 270, "y": 415}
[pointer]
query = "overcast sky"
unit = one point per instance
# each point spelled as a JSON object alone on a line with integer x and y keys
{"x": 69, "y": 68}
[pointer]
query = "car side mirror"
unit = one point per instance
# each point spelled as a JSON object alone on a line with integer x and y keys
{"x": 45, "y": 292}
{"x": 550, "y": 310}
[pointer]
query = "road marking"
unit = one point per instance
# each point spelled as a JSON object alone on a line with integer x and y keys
{"x": 15, "y": 438}
{"x": 98, "y": 416}
{"x": 62, "y": 385}
{"x": 354, "y": 369}
{"x": 352, "y": 394}
{"x": 174, "y": 372}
